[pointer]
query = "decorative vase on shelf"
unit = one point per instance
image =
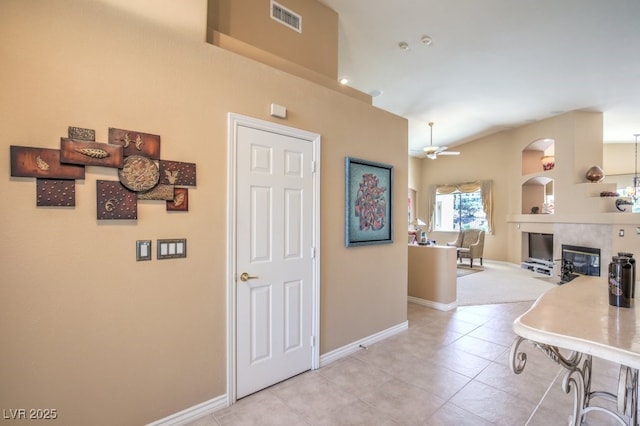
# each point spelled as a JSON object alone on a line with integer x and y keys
{"x": 595, "y": 174}
{"x": 548, "y": 162}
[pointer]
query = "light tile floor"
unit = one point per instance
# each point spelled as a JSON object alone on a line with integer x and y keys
{"x": 448, "y": 368}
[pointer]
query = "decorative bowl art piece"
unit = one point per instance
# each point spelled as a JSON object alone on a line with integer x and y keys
{"x": 139, "y": 173}
{"x": 595, "y": 174}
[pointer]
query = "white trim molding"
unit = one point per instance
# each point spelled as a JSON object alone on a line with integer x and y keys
{"x": 193, "y": 413}
{"x": 431, "y": 304}
{"x": 353, "y": 347}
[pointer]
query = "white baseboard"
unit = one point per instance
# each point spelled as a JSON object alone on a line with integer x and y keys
{"x": 353, "y": 347}
{"x": 434, "y": 305}
{"x": 209, "y": 407}
{"x": 193, "y": 413}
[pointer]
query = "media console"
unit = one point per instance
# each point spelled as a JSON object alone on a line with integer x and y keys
{"x": 538, "y": 265}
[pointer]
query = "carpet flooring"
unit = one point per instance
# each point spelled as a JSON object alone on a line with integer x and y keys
{"x": 462, "y": 271}
{"x": 500, "y": 282}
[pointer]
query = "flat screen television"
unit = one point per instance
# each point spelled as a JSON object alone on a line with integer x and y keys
{"x": 540, "y": 246}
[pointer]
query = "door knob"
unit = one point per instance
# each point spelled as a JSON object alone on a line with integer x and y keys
{"x": 246, "y": 277}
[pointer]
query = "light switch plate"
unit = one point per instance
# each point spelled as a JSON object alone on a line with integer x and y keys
{"x": 143, "y": 250}
{"x": 171, "y": 249}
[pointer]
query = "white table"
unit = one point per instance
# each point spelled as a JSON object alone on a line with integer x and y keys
{"x": 572, "y": 323}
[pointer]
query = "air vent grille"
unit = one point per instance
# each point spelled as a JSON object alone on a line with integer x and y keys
{"x": 286, "y": 17}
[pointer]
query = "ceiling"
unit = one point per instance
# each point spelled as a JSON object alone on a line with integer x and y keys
{"x": 493, "y": 64}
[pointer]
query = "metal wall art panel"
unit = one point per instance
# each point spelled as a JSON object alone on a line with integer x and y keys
{"x": 136, "y": 143}
{"x": 42, "y": 163}
{"x": 177, "y": 173}
{"x": 90, "y": 153}
{"x": 55, "y": 192}
{"x": 80, "y": 134}
{"x": 180, "y": 200}
{"x": 160, "y": 192}
{"x": 114, "y": 201}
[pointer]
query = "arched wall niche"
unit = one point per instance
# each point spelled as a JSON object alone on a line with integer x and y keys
{"x": 538, "y": 163}
{"x": 537, "y": 154}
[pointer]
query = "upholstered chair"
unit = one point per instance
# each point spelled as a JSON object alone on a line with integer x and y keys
{"x": 470, "y": 245}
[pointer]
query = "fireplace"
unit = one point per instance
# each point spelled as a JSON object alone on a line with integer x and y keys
{"x": 581, "y": 260}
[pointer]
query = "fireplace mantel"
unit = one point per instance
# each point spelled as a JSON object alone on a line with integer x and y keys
{"x": 621, "y": 218}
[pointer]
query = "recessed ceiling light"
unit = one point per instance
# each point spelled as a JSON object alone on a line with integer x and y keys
{"x": 344, "y": 80}
{"x": 375, "y": 93}
{"x": 426, "y": 40}
{"x": 403, "y": 45}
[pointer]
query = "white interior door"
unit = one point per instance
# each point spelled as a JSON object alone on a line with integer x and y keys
{"x": 274, "y": 257}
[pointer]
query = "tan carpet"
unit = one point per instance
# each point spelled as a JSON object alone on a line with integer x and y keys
{"x": 500, "y": 282}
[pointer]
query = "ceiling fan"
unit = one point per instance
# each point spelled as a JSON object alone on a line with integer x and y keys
{"x": 434, "y": 151}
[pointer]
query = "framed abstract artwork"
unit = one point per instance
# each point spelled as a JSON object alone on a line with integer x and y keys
{"x": 368, "y": 203}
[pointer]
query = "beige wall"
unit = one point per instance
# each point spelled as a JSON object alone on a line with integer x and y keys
{"x": 316, "y": 47}
{"x": 415, "y": 172}
{"x": 483, "y": 159}
{"x": 499, "y": 157}
{"x": 619, "y": 159}
{"x": 85, "y": 328}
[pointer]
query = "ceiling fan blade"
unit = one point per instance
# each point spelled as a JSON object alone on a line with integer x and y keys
{"x": 432, "y": 151}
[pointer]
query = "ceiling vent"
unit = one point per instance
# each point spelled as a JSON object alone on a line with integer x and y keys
{"x": 286, "y": 16}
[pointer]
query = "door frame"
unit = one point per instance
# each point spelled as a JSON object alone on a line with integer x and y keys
{"x": 234, "y": 121}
